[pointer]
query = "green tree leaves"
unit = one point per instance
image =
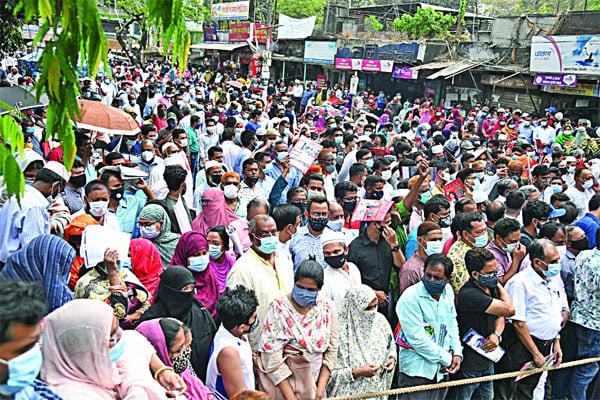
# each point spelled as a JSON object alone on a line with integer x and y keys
{"x": 425, "y": 24}
{"x": 372, "y": 24}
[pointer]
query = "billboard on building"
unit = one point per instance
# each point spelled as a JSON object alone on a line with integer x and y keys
{"x": 319, "y": 52}
{"x": 237, "y": 10}
{"x": 566, "y": 54}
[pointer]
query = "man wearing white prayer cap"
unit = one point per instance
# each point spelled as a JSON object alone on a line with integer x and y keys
{"x": 339, "y": 275}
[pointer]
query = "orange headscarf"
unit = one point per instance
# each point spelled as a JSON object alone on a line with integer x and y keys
{"x": 76, "y": 228}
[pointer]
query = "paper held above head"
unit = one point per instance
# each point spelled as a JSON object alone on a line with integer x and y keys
{"x": 96, "y": 239}
{"x": 125, "y": 172}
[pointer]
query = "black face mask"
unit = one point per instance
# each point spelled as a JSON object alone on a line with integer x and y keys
{"x": 581, "y": 244}
{"x": 300, "y": 204}
{"x": 78, "y": 181}
{"x": 349, "y": 205}
{"x": 336, "y": 261}
{"x": 216, "y": 179}
{"x": 117, "y": 194}
{"x": 377, "y": 195}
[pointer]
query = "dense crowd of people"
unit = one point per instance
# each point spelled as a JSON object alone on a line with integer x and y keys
{"x": 196, "y": 259}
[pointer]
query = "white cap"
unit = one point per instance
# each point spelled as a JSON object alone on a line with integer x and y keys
{"x": 570, "y": 159}
{"x": 261, "y": 132}
{"x": 479, "y": 196}
{"x": 478, "y": 153}
{"x": 59, "y": 169}
{"x": 29, "y": 156}
{"x": 212, "y": 164}
{"x": 437, "y": 149}
{"x": 502, "y": 136}
{"x": 330, "y": 236}
{"x": 173, "y": 159}
{"x": 166, "y": 146}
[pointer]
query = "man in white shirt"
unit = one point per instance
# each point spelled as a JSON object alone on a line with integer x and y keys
{"x": 231, "y": 150}
{"x": 544, "y": 133}
{"x": 534, "y": 331}
{"x": 583, "y": 190}
{"x": 339, "y": 275}
{"x": 288, "y": 218}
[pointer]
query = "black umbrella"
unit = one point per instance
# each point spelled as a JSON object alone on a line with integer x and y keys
{"x": 20, "y": 98}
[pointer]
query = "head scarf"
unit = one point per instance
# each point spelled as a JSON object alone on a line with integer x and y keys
{"x": 155, "y": 335}
{"x": 75, "y": 349}
{"x": 172, "y": 302}
{"x": 46, "y": 259}
{"x": 365, "y": 338}
{"x": 214, "y": 213}
{"x": 166, "y": 240}
{"x": 76, "y": 228}
{"x": 207, "y": 286}
{"x": 146, "y": 263}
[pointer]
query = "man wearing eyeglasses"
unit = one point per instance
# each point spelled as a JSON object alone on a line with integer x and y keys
{"x": 262, "y": 269}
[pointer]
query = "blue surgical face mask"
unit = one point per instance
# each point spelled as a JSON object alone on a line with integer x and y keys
{"x": 424, "y": 197}
{"x": 510, "y": 247}
{"x": 480, "y": 241}
{"x": 198, "y": 264}
{"x": 479, "y": 175}
{"x": 434, "y": 247}
{"x": 303, "y": 297}
{"x": 330, "y": 169}
{"x": 336, "y": 225}
{"x": 30, "y": 130}
{"x": 339, "y": 139}
{"x": 117, "y": 350}
{"x": 313, "y": 193}
{"x": 553, "y": 270}
{"x": 556, "y": 188}
{"x": 214, "y": 251}
{"x": 130, "y": 143}
{"x": 269, "y": 244}
{"x": 435, "y": 288}
{"x": 369, "y": 163}
{"x": 22, "y": 371}
{"x": 281, "y": 155}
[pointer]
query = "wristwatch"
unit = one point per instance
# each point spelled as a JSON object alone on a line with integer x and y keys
{"x": 396, "y": 248}
{"x": 499, "y": 336}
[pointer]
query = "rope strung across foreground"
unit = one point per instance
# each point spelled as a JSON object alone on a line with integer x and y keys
{"x": 469, "y": 381}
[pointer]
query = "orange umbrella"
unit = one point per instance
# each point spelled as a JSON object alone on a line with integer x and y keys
{"x": 100, "y": 117}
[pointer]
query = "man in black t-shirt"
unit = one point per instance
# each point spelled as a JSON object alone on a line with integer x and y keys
{"x": 482, "y": 305}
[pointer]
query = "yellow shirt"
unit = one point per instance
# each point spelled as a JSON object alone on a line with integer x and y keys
{"x": 268, "y": 283}
{"x": 459, "y": 274}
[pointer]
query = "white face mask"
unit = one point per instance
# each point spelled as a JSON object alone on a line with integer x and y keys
{"x": 336, "y": 225}
{"x": 149, "y": 232}
{"x": 386, "y": 174}
{"x": 230, "y": 191}
{"x": 147, "y": 156}
{"x": 98, "y": 208}
{"x": 183, "y": 143}
{"x": 211, "y": 129}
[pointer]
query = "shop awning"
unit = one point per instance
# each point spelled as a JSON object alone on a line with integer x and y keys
{"x": 457, "y": 68}
{"x": 433, "y": 65}
{"x": 218, "y": 46}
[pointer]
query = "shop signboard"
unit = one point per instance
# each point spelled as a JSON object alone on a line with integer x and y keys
{"x": 582, "y": 89}
{"x": 555, "y": 80}
{"x": 343, "y": 63}
{"x": 568, "y": 54}
{"x": 367, "y": 65}
{"x": 404, "y": 73}
{"x": 319, "y": 52}
{"x": 240, "y": 32}
{"x": 237, "y": 10}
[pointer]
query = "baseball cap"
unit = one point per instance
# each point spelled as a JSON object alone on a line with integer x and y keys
{"x": 551, "y": 109}
{"x": 171, "y": 115}
{"x": 467, "y": 145}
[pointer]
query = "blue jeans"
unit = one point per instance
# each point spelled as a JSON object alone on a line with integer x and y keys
{"x": 476, "y": 391}
{"x": 561, "y": 379}
{"x": 588, "y": 346}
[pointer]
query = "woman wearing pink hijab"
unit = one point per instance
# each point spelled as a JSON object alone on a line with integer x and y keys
{"x": 167, "y": 335}
{"x": 214, "y": 212}
{"x": 86, "y": 355}
{"x": 146, "y": 264}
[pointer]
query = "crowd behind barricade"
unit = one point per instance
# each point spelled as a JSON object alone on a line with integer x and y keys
{"x": 298, "y": 244}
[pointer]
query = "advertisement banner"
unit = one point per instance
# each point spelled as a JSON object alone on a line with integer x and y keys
{"x": 371, "y": 65}
{"x": 237, "y": 10}
{"x": 555, "y": 80}
{"x": 210, "y": 33}
{"x": 359, "y": 64}
{"x": 292, "y": 28}
{"x": 319, "y": 52}
{"x": 404, "y": 73}
{"x": 582, "y": 89}
{"x": 321, "y": 81}
{"x": 566, "y": 54}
